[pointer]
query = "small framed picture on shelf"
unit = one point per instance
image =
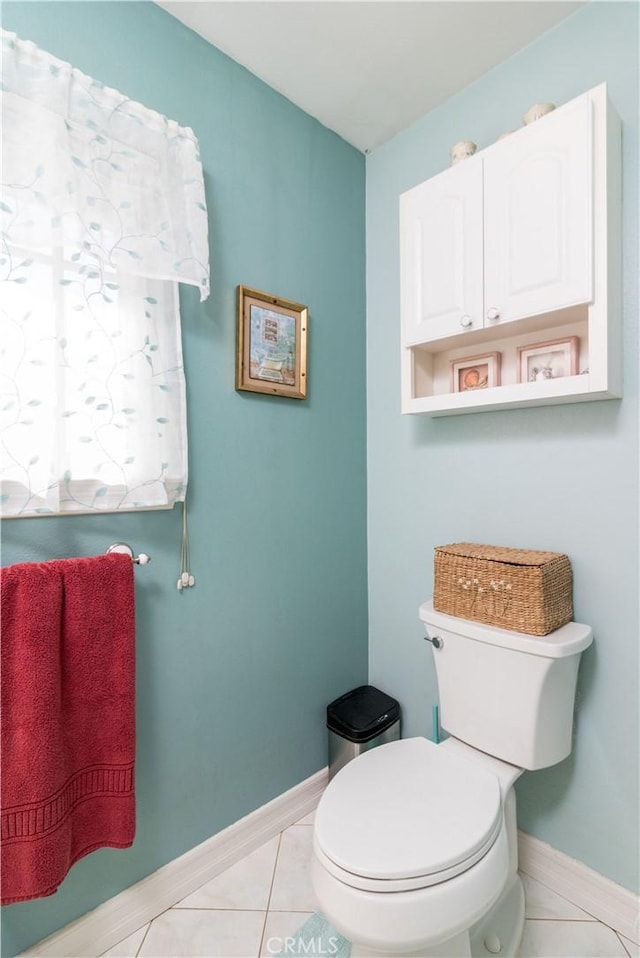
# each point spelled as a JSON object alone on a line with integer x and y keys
{"x": 549, "y": 360}
{"x": 271, "y": 348}
{"x": 475, "y": 372}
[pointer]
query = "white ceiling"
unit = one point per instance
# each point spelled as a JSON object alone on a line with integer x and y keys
{"x": 368, "y": 68}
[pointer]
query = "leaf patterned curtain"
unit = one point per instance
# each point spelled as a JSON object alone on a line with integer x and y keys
{"x": 103, "y": 213}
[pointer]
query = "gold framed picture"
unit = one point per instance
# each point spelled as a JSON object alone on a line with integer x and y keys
{"x": 271, "y": 345}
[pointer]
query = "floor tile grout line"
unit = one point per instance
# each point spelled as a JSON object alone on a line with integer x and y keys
{"x": 144, "y": 938}
{"x": 273, "y": 878}
{"x": 623, "y": 944}
{"x": 623, "y": 938}
{"x": 564, "y": 897}
{"x": 275, "y": 869}
{"x": 149, "y": 924}
{"x": 217, "y": 908}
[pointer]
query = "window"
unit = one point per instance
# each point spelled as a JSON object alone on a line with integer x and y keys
{"x": 103, "y": 213}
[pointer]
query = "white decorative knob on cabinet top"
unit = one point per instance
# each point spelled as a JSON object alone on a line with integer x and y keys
{"x": 493, "y": 313}
{"x": 462, "y": 151}
{"x": 466, "y": 321}
{"x": 537, "y": 111}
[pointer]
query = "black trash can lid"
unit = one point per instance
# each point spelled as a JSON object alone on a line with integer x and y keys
{"x": 362, "y": 713}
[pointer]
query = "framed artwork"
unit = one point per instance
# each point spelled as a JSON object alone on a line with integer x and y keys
{"x": 271, "y": 345}
{"x": 475, "y": 372}
{"x": 550, "y": 360}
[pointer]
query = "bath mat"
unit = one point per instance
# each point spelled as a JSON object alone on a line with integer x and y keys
{"x": 316, "y": 939}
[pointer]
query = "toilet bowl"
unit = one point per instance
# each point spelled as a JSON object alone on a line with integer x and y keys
{"x": 412, "y": 847}
{"x": 415, "y": 844}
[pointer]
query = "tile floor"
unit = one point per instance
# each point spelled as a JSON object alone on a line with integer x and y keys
{"x": 248, "y": 910}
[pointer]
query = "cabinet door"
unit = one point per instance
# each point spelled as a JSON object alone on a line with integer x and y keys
{"x": 538, "y": 217}
{"x": 441, "y": 254}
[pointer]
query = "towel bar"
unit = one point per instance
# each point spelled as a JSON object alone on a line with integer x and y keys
{"x": 122, "y": 547}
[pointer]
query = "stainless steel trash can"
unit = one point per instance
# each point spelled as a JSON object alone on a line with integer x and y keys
{"x": 358, "y": 721}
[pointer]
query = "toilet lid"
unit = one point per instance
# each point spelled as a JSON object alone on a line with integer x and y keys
{"x": 408, "y": 810}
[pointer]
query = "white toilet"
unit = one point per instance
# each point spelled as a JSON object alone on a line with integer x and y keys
{"x": 415, "y": 844}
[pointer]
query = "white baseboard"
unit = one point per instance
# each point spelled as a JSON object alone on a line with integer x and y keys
{"x": 109, "y": 923}
{"x": 595, "y": 894}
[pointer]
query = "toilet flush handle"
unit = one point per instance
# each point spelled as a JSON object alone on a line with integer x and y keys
{"x": 435, "y": 640}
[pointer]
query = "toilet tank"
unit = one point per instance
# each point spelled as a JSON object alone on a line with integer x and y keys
{"x": 506, "y": 693}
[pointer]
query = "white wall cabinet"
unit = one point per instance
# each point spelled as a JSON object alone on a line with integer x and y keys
{"x": 441, "y": 254}
{"x": 538, "y": 223}
{"x": 514, "y": 246}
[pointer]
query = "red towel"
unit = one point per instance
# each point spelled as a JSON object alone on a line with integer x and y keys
{"x": 68, "y": 717}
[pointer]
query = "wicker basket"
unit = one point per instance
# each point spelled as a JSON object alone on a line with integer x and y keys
{"x": 520, "y": 589}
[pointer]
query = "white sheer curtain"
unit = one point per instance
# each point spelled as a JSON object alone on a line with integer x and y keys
{"x": 103, "y": 213}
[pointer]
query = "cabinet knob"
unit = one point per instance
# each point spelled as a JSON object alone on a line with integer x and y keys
{"x": 466, "y": 321}
{"x": 493, "y": 313}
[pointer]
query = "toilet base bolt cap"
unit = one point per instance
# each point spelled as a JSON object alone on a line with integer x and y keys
{"x": 493, "y": 944}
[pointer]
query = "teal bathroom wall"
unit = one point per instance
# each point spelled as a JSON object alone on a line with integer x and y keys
{"x": 234, "y": 675}
{"x": 563, "y": 478}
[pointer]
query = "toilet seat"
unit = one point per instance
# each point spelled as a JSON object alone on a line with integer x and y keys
{"x": 407, "y": 815}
